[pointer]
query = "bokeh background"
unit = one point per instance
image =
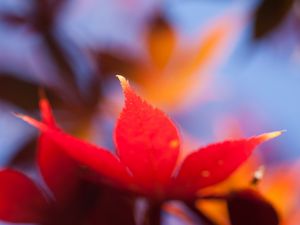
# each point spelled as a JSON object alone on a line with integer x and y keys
{"x": 219, "y": 68}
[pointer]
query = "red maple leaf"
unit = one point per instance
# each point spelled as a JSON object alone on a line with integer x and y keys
{"x": 72, "y": 198}
{"x": 22, "y": 200}
{"x": 148, "y": 147}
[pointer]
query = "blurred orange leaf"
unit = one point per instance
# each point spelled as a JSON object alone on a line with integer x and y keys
{"x": 187, "y": 67}
{"x": 160, "y": 41}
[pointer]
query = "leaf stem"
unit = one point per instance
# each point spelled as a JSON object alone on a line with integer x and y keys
{"x": 153, "y": 214}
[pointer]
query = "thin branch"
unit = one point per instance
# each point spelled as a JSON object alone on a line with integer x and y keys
{"x": 153, "y": 214}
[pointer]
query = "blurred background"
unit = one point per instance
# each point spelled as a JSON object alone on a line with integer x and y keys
{"x": 220, "y": 69}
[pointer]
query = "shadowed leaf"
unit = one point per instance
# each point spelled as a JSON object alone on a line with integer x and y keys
{"x": 55, "y": 47}
{"x": 269, "y": 15}
{"x": 13, "y": 19}
{"x": 113, "y": 208}
{"x": 20, "y": 199}
{"x": 112, "y": 63}
{"x": 248, "y": 207}
{"x": 21, "y": 93}
{"x": 25, "y": 156}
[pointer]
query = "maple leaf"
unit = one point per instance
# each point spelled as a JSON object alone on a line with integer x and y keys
{"x": 74, "y": 199}
{"x": 32, "y": 204}
{"x": 148, "y": 146}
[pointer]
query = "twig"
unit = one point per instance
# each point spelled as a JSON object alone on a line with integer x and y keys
{"x": 153, "y": 214}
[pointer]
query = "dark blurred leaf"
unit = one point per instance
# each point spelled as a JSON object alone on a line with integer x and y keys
{"x": 78, "y": 209}
{"x": 97, "y": 204}
{"x": 42, "y": 19}
{"x": 248, "y": 207}
{"x": 25, "y": 157}
{"x": 13, "y": 19}
{"x": 94, "y": 95}
{"x": 60, "y": 53}
{"x": 153, "y": 213}
{"x": 113, "y": 208}
{"x": 46, "y": 13}
{"x": 161, "y": 40}
{"x": 22, "y": 93}
{"x": 269, "y": 15}
{"x": 57, "y": 52}
{"x": 112, "y": 63}
{"x": 58, "y": 5}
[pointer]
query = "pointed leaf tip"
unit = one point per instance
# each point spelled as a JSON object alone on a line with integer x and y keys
{"x": 29, "y": 120}
{"x": 19, "y": 115}
{"x": 217, "y": 161}
{"x": 147, "y": 141}
{"x": 124, "y": 82}
{"x": 271, "y": 135}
